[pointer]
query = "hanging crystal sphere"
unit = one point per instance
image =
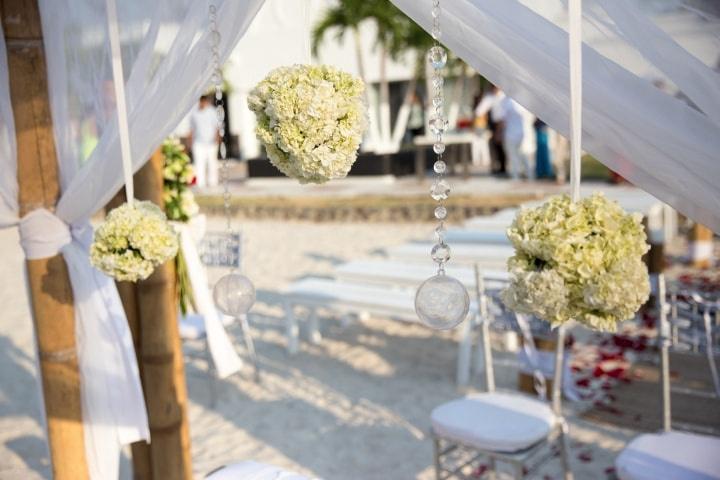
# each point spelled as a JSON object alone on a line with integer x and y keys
{"x": 440, "y": 253}
{"x": 438, "y": 124}
{"x": 440, "y": 166}
{"x": 234, "y": 294}
{"x": 440, "y": 190}
{"x": 437, "y": 56}
{"x": 439, "y": 148}
{"x": 442, "y": 302}
{"x": 440, "y": 213}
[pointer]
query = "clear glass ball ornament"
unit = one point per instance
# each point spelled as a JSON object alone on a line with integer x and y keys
{"x": 442, "y": 302}
{"x": 439, "y": 148}
{"x": 437, "y": 56}
{"x": 440, "y": 166}
{"x": 234, "y": 294}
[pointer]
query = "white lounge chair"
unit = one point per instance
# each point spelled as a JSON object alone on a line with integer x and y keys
{"x": 411, "y": 274}
{"x": 669, "y": 454}
{"x": 350, "y": 298}
{"x": 477, "y": 235}
{"x": 493, "y": 257}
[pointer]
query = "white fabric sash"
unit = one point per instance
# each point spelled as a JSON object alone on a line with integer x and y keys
{"x": 113, "y": 406}
{"x": 223, "y": 353}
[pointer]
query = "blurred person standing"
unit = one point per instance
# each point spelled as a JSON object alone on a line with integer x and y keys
{"x": 543, "y": 163}
{"x": 490, "y": 105}
{"x": 204, "y": 140}
{"x": 513, "y": 119}
{"x": 416, "y": 120}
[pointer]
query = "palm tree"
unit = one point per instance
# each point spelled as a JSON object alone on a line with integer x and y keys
{"x": 346, "y": 16}
{"x": 396, "y": 35}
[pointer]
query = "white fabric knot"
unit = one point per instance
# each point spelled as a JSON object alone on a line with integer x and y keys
{"x": 43, "y": 234}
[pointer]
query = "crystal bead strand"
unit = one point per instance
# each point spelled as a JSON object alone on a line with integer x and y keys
{"x": 234, "y": 293}
{"x": 216, "y": 80}
{"x": 440, "y": 190}
{"x": 441, "y": 302}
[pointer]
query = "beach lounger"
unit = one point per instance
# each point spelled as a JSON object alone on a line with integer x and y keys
{"x": 351, "y": 298}
{"x": 490, "y": 257}
{"x": 411, "y": 275}
{"x": 477, "y": 235}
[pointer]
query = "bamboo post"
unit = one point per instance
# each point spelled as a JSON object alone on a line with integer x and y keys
{"x": 142, "y": 469}
{"x": 151, "y": 308}
{"x": 48, "y": 281}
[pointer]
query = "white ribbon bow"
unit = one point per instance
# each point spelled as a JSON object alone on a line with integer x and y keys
{"x": 113, "y": 406}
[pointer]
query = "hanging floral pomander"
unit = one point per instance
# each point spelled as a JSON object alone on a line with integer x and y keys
{"x": 133, "y": 241}
{"x": 578, "y": 261}
{"x": 311, "y": 120}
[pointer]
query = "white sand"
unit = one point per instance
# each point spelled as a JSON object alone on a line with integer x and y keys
{"x": 355, "y": 406}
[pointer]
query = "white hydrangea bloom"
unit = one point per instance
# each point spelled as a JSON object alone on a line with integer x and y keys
{"x": 578, "y": 261}
{"x": 311, "y": 120}
{"x": 133, "y": 241}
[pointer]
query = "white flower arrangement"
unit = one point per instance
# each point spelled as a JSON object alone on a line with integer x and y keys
{"x": 580, "y": 261}
{"x": 133, "y": 241}
{"x": 311, "y": 120}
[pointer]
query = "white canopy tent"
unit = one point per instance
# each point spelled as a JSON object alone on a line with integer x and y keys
{"x": 658, "y": 141}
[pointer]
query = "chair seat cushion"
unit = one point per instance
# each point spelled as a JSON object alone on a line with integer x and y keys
{"x": 676, "y": 455}
{"x": 251, "y": 470}
{"x": 498, "y": 421}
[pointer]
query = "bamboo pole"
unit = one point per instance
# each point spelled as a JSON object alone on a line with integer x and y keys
{"x": 48, "y": 281}
{"x": 142, "y": 469}
{"x": 151, "y": 308}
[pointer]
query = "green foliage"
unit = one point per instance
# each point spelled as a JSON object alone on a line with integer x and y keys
{"x": 178, "y": 174}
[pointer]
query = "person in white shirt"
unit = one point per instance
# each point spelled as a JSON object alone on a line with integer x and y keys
{"x": 513, "y": 118}
{"x": 490, "y": 104}
{"x": 204, "y": 138}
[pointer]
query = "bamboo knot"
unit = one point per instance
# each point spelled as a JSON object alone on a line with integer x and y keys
{"x": 59, "y": 356}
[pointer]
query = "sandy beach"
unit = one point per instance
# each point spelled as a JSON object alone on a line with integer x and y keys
{"x": 356, "y": 406}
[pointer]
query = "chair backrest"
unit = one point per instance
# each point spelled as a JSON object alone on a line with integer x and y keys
{"x": 484, "y": 320}
{"x": 667, "y": 338}
{"x": 664, "y": 344}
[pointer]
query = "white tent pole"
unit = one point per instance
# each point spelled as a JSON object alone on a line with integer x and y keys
{"x": 575, "y": 53}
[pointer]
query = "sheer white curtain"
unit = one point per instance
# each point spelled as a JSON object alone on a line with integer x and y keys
{"x": 166, "y": 53}
{"x": 658, "y": 140}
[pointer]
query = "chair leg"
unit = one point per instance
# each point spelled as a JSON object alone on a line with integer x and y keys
{"x": 250, "y": 346}
{"x": 436, "y": 455}
{"x": 519, "y": 471}
{"x": 291, "y": 329}
{"x": 313, "y": 328}
{"x": 492, "y": 470}
{"x": 462, "y": 376}
{"x": 564, "y": 453}
{"x": 212, "y": 377}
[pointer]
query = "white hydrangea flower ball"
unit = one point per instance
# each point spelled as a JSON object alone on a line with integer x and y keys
{"x": 311, "y": 120}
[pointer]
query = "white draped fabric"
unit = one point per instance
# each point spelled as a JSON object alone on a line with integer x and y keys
{"x": 663, "y": 143}
{"x": 166, "y": 54}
